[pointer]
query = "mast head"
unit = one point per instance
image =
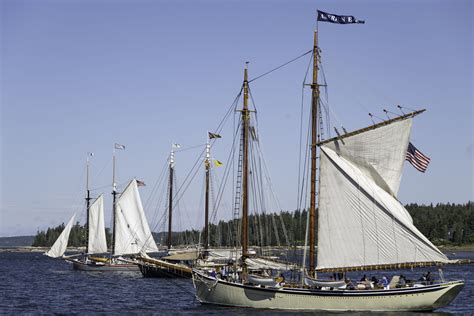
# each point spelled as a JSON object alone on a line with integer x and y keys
{"x": 174, "y": 146}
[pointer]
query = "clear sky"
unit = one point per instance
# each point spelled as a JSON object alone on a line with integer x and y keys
{"x": 77, "y": 76}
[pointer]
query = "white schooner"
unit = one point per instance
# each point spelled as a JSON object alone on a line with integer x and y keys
{"x": 131, "y": 232}
{"x": 361, "y": 224}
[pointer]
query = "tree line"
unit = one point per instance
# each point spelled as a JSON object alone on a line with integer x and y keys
{"x": 443, "y": 224}
{"x": 77, "y": 237}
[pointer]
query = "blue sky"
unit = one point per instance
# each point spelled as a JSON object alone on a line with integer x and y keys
{"x": 78, "y": 76}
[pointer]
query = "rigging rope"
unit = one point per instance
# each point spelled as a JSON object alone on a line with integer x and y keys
{"x": 282, "y": 65}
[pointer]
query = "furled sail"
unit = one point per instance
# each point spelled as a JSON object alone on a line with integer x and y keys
{"x": 360, "y": 223}
{"x": 97, "y": 240}
{"x": 378, "y": 153}
{"x": 60, "y": 245}
{"x": 132, "y": 233}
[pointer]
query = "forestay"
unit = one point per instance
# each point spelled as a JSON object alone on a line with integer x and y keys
{"x": 60, "y": 245}
{"x": 360, "y": 222}
{"x": 97, "y": 241}
{"x": 132, "y": 233}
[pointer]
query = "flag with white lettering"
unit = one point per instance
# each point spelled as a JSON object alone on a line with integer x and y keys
{"x": 417, "y": 158}
{"x": 338, "y": 19}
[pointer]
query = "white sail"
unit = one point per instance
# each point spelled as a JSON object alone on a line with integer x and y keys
{"x": 97, "y": 240}
{"x": 60, "y": 245}
{"x": 378, "y": 153}
{"x": 132, "y": 233}
{"x": 361, "y": 224}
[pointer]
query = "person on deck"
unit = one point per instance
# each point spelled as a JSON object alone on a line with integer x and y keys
{"x": 385, "y": 283}
{"x": 213, "y": 273}
{"x": 401, "y": 281}
{"x": 349, "y": 285}
{"x": 429, "y": 278}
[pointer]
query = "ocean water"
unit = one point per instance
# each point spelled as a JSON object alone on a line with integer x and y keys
{"x": 32, "y": 283}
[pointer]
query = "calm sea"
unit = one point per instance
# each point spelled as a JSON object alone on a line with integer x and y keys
{"x": 35, "y": 284}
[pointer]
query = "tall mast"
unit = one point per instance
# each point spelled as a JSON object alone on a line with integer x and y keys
{"x": 114, "y": 196}
{"x": 207, "y": 165}
{"x": 314, "y": 141}
{"x": 170, "y": 199}
{"x": 245, "y": 169}
{"x": 88, "y": 201}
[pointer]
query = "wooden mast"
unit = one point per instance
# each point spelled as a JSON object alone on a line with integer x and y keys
{"x": 114, "y": 196}
{"x": 170, "y": 200}
{"x": 88, "y": 202}
{"x": 314, "y": 141}
{"x": 245, "y": 169}
{"x": 207, "y": 165}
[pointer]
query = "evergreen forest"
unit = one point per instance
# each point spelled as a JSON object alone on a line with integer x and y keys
{"x": 443, "y": 224}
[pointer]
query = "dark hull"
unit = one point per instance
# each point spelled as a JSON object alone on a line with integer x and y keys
{"x": 154, "y": 271}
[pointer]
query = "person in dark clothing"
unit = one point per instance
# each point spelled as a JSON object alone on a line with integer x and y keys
{"x": 401, "y": 281}
{"x": 429, "y": 278}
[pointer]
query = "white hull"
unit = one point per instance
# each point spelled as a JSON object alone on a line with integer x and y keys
{"x": 426, "y": 298}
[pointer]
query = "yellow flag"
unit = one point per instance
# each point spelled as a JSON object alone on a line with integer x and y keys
{"x": 217, "y": 163}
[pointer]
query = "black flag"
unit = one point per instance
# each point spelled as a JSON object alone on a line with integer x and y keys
{"x": 214, "y": 135}
{"x": 338, "y": 19}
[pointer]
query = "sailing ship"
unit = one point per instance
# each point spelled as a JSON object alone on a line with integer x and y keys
{"x": 169, "y": 266}
{"x": 131, "y": 233}
{"x": 361, "y": 224}
{"x": 178, "y": 262}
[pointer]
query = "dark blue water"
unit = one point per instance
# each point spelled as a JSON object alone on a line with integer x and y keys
{"x": 33, "y": 283}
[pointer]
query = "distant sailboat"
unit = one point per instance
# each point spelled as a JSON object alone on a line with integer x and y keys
{"x": 131, "y": 236}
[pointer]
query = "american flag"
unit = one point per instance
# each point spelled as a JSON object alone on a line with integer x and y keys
{"x": 417, "y": 158}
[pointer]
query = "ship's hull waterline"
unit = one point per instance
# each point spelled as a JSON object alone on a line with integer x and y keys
{"x": 154, "y": 271}
{"x": 107, "y": 267}
{"x": 425, "y": 298}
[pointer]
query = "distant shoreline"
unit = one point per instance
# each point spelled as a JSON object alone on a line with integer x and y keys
{"x": 454, "y": 248}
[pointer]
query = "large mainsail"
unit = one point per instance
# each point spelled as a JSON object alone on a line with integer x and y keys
{"x": 60, "y": 245}
{"x": 132, "y": 233}
{"x": 361, "y": 223}
{"x": 97, "y": 240}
